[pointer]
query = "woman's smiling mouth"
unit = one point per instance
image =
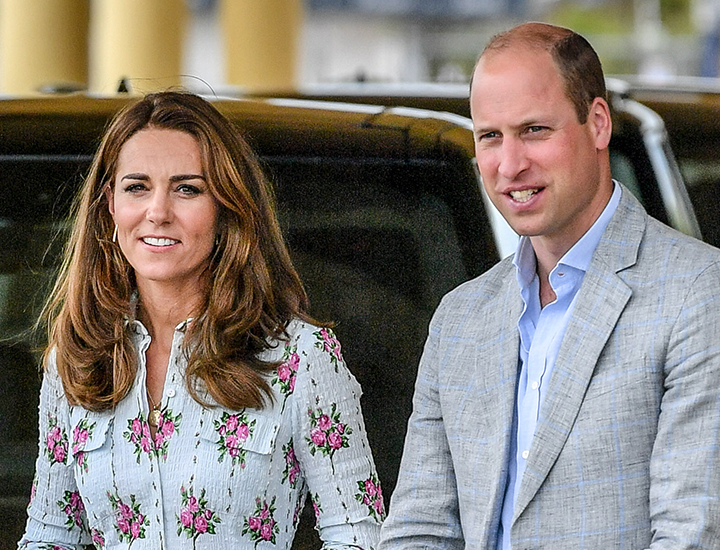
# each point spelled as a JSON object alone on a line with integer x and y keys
{"x": 159, "y": 241}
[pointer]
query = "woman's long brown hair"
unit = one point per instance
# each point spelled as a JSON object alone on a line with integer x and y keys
{"x": 253, "y": 290}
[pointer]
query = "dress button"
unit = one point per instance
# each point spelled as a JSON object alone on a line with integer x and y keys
{"x": 525, "y": 454}
{"x": 171, "y": 393}
{"x": 534, "y": 385}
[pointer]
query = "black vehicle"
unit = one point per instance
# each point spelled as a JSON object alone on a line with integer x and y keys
{"x": 690, "y": 108}
{"x": 382, "y": 208}
{"x": 640, "y": 149}
{"x": 383, "y": 214}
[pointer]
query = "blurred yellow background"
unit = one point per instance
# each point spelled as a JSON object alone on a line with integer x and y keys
{"x": 249, "y": 46}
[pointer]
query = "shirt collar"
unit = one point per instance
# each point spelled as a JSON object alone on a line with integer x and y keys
{"x": 136, "y": 325}
{"x": 578, "y": 256}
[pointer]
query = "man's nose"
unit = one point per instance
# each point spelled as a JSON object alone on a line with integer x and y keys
{"x": 513, "y": 158}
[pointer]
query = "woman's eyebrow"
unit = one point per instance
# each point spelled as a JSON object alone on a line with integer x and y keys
{"x": 185, "y": 177}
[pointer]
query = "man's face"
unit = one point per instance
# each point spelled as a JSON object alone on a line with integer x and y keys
{"x": 540, "y": 167}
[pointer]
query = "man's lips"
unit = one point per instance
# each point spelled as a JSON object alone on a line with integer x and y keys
{"x": 525, "y": 195}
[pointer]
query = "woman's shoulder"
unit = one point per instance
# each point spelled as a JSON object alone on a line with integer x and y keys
{"x": 309, "y": 349}
{"x": 304, "y": 333}
{"x": 51, "y": 375}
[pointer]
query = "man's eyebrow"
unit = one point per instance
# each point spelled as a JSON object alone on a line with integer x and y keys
{"x": 523, "y": 124}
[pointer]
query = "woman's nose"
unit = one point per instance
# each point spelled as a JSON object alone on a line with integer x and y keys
{"x": 159, "y": 209}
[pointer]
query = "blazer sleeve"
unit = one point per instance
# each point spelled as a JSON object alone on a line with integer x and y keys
{"x": 424, "y": 510}
{"x": 685, "y": 462}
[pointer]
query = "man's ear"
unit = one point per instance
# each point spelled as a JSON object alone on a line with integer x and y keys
{"x": 600, "y": 122}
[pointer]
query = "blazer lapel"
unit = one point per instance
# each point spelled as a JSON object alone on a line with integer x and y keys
{"x": 600, "y": 301}
{"x": 498, "y": 387}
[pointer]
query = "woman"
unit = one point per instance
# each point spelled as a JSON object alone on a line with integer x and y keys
{"x": 188, "y": 400}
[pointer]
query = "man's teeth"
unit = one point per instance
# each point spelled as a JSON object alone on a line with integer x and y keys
{"x": 158, "y": 242}
{"x": 523, "y": 196}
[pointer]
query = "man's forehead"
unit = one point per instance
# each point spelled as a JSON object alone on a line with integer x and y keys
{"x": 515, "y": 51}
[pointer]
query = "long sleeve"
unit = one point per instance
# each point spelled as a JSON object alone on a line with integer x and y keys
{"x": 424, "y": 507}
{"x": 56, "y": 514}
{"x": 332, "y": 448}
{"x": 685, "y": 462}
{"x": 210, "y": 478}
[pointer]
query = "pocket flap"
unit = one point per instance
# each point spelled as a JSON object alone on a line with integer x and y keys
{"x": 89, "y": 430}
{"x": 249, "y": 429}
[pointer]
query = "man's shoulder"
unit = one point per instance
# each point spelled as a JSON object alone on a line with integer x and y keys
{"x": 635, "y": 240}
{"x": 663, "y": 244}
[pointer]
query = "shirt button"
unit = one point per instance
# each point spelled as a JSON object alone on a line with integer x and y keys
{"x": 534, "y": 385}
{"x": 525, "y": 454}
{"x": 170, "y": 393}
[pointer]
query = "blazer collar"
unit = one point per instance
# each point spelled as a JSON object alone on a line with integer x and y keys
{"x": 601, "y": 299}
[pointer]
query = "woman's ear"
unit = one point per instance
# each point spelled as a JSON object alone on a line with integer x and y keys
{"x": 110, "y": 196}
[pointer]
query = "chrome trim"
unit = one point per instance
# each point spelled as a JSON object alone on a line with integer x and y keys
{"x": 673, "y": 191}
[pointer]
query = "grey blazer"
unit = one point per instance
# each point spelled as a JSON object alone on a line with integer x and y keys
{"x": 627, "y": 449}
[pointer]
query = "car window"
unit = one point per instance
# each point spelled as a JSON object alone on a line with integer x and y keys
{"x": 702, "y": 177}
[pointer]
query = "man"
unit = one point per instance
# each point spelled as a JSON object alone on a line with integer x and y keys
{"x": 570, "y": 397}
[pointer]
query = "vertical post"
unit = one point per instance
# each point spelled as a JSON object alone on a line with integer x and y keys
{"x": 42, "y": 43}
{"x": 261, "y": 43}
{"x": 141, "y": 40}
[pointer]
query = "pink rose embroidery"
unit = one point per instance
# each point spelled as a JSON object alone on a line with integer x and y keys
{"x": 130, "y": 524}
{"x": 81, "y": 434}
{"x": 195, "y": 517}
{"x": 98, "y": 539}
{"x": 327, "y": 342}
{"x": 261, "y": 526}
{"x": 138, "y": 433}
{"x": 315, "y": 499}
{"x": 56, "y": 442}
{"x": 234, "y": 430}
{"x": 286, "y": 373}
{"x": 292, "y": 466}
{"x": 74, "y": 509}
{"x": 327, "y": 433}
{"x": 318, "y": 437}
{"x": 370, "y": 494}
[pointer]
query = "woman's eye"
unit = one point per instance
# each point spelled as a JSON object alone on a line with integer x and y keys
{"x": 187, "y": 189}
{"x": 135, "y": 187}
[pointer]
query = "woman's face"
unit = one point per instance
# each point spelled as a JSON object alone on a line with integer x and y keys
{"x": 165, "y": 213}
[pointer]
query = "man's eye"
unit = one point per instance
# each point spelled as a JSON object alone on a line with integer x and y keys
{"x": 535, "y": 129}
{"x": 488, "y": 135}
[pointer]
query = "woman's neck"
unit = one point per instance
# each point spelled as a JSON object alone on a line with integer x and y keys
{"x": 161, "y": 308}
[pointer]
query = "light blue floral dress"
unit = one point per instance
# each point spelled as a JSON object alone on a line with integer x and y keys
{"x": 211, "y": 478}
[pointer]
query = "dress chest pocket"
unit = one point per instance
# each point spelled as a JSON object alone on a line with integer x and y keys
{"x": 237, "y": 456}
{"x": 237, "y": 436}
{"x": 89, "y": 440}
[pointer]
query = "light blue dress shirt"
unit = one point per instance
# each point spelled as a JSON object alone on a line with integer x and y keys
{"x": 541, "y": 333}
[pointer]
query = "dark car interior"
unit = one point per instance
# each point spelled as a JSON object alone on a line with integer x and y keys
{"x": 377, "y": 242}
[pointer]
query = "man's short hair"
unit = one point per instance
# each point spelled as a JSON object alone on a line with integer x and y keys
{"x": 577, "y": 61}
